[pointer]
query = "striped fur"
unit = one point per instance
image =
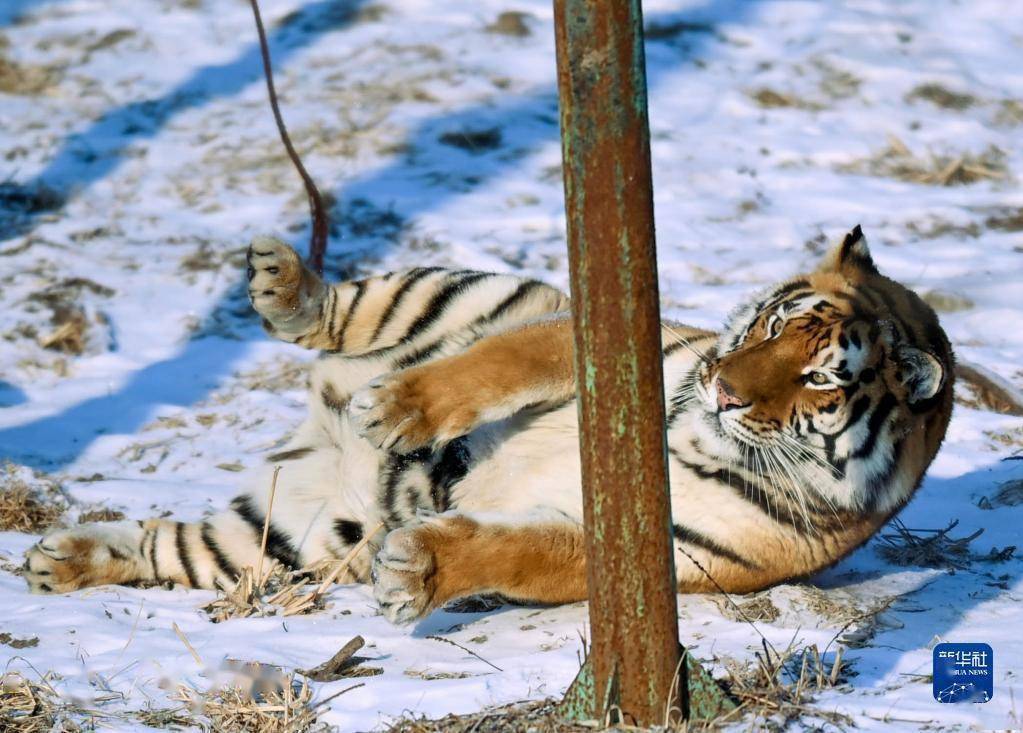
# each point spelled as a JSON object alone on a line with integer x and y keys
{"x": 442, "y": 406}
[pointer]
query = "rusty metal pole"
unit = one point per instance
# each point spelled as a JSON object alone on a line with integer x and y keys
{"x": 605, "y": 140}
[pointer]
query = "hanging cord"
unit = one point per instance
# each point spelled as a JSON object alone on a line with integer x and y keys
{"x": 321, "y": 225}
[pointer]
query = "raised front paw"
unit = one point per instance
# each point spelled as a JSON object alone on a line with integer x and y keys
{"x": 281, "y": 288}
{"x": 93, "y": 554}
{"x": 403, "y": 576}
{"x": 409, "y": 410}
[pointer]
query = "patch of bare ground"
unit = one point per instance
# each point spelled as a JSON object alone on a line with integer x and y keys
{"x": 937, "y": 227}
{"x": 941, "y": 96}
{"x": 25, "y": 79}
{"x": 897, "y": 161}
{"x": 27, "y": 505}
{"x": 274, "y": 376}
{"x": 1009, "y": 113}
{"x": 1005, "y": 220}
{"x": 511, "y": 23}
{"x": 768, "y": 98}
{"x": 947, "y": 302}
{"x": 102, "y": 514}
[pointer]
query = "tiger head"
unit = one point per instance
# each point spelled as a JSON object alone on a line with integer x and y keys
{"x": 839, "y": 381}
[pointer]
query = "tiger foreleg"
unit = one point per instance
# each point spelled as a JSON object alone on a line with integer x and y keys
{"x": 448, "y": 556}
{"x": 288, "y": 295}
{"x": 498, "y": 376}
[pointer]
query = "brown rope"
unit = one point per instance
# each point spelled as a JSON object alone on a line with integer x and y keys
{"x": 321, "y": 224}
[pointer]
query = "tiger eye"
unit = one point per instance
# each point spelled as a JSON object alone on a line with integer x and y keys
{"x": 819, "y": 378}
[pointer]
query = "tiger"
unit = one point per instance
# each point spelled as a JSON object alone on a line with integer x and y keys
{"x": 440, "y": 451}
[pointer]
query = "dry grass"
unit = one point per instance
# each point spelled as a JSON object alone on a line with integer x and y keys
{"x": 68, "y": 336}
{"x": 27, "y": 707}
{"x": 931, "y": 548}
{"x": 773, "y": 692}
{"x": 24, "y": 508}
{"x": 777, "y": 689}
{"x": 279, "y": 593}
{"x": 260, "y": 699}
{"x": 899, "y": 162}
{"x": 531, "y": 717}
{"x": 756, "y": 607}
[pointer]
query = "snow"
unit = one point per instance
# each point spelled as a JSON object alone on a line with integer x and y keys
{"x": 154, "y": 125}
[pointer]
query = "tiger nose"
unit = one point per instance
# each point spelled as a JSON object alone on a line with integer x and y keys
{"x": 727, "y": 397}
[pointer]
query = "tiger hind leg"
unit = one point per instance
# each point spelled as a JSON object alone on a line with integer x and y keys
{"x": 153, "y": 551}
{"x": 447, "y": 556}
{"x": 312, "y": 519}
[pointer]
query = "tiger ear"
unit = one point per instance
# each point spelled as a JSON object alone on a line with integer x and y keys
{"x": 920, "y": 371}
{"x": 851, "y": 255}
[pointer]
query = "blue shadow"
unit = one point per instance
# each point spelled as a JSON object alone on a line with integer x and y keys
{"x": 11, "y": 10}
{"x": 88, "y": 156}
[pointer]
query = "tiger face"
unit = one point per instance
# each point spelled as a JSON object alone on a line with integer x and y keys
{"x": 821, "y": 382}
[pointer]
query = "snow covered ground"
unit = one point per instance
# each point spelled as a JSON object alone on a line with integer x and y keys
{"x": 138, "y": 156}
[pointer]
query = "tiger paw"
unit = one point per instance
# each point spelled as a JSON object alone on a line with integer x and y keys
{"x": 403, "y": 576}
{"x": 409, "y": 410}
{"x": 282, "y": 289}
{"x": 92, "y": 554}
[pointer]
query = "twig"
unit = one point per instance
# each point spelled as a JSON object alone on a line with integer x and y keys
{"x": 331, "y": 669}
{"x": 184, "y": 640}
{"x": 729, "y": 598}
{"x": 266, "y": 528}
{"x": 346, "y": 561}
{"x": 321, "y": 224}
{"x": 468, "y": 651}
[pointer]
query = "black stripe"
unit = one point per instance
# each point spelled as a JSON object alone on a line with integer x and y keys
{"x": 360, "y": 289}
{"x": 152, "y": 556}
{"x": 447, "y": 471}
{"x": 332, "y": 400}
{"x": 183, "y": 556}
{"x": 440, "y": 301}
{"x": 419, "y": 355}
{"x": 877, "y": 418}
{"x": 520, "y": 294}
{"x": 332, "y": 294}
{"x": 393, "y": 473}
{"x": 396, "y": 300}
{"x": 277, "y": 545}
{"x": 691, "y": 537}
{"x": 673, "y": 347}
{"x": 856, "y": 413}
{"x": 224, "y": 564}
{"x": 348, "y": 530}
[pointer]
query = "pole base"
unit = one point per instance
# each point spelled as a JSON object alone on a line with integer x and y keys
{"x": 703, "y": 700}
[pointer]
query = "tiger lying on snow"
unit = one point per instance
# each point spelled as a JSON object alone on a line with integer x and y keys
{"x": 443, "y": 406}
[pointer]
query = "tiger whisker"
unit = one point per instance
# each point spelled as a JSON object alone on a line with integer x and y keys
{"x": 686, "y": 344}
